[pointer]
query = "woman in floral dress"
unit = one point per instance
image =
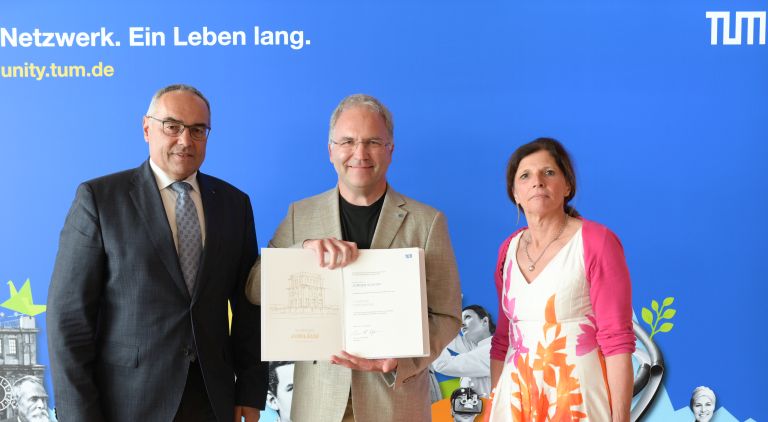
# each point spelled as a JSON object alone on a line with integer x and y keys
{"x": 563, "y": 343}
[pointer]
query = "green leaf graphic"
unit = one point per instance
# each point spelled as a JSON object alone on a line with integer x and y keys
{"x": 654, "y": 318}
{"x": 647, "y": 316}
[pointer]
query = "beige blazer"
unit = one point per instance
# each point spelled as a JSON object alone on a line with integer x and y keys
{"x": 321, "y": 390}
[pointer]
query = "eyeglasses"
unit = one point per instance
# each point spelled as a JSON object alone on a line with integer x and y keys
{"x": 174, "y": 128}
{"x": 372, "y": 144}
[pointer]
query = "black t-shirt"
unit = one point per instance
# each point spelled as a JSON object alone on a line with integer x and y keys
{"x": 358, "y": 223}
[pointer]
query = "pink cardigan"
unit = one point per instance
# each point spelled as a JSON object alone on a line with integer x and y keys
{"x": 610, "y": 292}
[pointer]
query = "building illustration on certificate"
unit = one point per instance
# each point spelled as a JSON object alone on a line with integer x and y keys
{"x": 307, "y": 295}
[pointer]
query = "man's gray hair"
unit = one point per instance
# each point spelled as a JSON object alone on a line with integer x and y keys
{"x": 176, "y": 87}
{"x": 25, "y": 379}
{"x": 362, "y": 100}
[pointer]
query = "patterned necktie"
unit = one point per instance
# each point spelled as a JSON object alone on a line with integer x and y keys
{"x": 188, "y": 232}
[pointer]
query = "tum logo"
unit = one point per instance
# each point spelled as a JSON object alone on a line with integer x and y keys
{"x": 751, "y": 18}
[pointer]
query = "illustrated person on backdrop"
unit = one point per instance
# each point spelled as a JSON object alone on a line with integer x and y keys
{"x": 564, "y": 340}
{"x": 30, "y": 401}
{"x": 363, "y": 211}
{"x": 280, "y": 392}
{"x": 703, "y": 403}
{"x": 466, "y": 404}
{"x": 468, "y": 355}
{"x": 148, "y": 260}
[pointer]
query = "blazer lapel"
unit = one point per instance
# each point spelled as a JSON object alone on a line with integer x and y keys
{"x": 331, "y": 221}
{"x": 391, "y": 218}
{"x": 148, "y": 203}
{"x": 213, "y": 220}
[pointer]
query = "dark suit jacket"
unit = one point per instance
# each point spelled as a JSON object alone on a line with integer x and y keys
{"x": 122, "y": 327}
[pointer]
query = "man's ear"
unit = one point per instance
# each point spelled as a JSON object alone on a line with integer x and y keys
{"x": 145, "y": 128}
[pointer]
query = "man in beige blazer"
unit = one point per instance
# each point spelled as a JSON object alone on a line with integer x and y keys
{"x": 364, "y": 212}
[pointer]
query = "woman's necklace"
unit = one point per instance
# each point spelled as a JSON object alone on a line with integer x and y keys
{"x": 532, "y": 262}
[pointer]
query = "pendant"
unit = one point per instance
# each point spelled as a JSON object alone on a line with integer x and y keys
{"x": 531, "y": 268}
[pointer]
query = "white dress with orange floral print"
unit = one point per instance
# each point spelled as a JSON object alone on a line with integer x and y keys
{"x": 554, "y": 370}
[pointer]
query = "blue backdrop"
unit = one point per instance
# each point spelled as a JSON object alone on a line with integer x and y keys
{"x": 665, "y": 129}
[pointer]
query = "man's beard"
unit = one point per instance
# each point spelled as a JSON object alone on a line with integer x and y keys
{"x": 38, "y": 415}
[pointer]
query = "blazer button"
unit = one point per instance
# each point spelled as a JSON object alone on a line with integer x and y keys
{"x": 190, "y": 354}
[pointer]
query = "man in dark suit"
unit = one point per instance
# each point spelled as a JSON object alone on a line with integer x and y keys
{"x": 148, "y": 259}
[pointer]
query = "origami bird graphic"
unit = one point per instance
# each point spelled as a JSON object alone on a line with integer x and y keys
{"x": 21, "y": 301}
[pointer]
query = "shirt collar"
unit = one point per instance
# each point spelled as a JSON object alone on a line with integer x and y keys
{"x": 164, "y": 181}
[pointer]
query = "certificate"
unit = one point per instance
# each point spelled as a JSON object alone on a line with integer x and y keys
{"x": 374, "y": 308}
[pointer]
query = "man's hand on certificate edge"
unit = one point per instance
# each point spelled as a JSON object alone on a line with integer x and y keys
{"x": 363, "y": 364}
{"x": 340, "y": 253}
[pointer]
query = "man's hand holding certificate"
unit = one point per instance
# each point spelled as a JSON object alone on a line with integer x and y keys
{"x": 373, "y": 308}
